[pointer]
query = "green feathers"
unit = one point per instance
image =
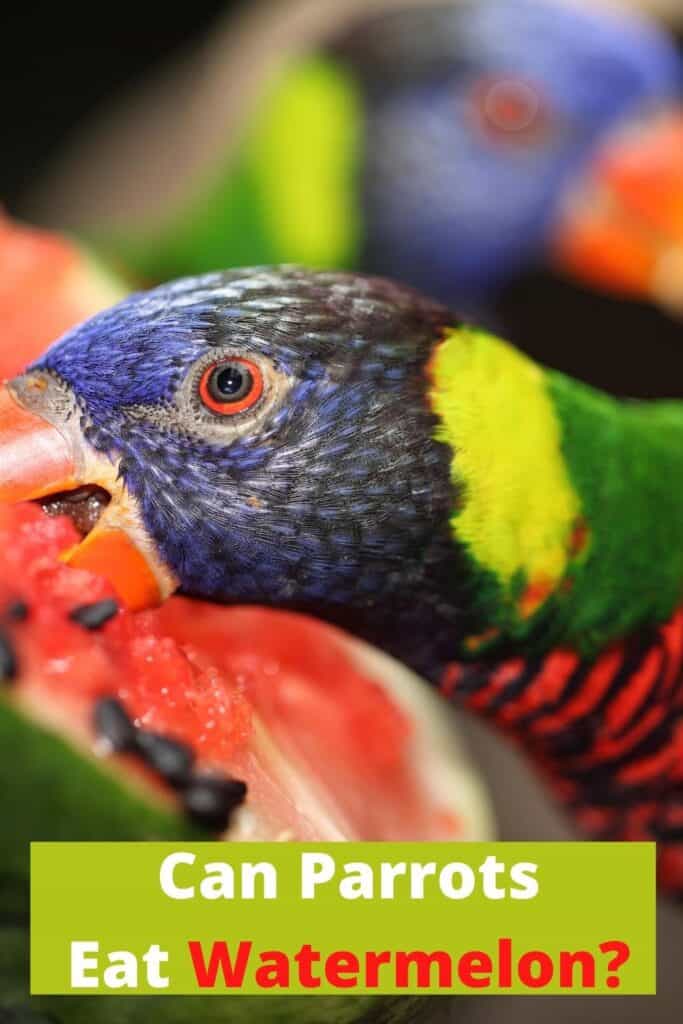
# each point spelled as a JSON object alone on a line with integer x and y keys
{"x": 626, "y": 461}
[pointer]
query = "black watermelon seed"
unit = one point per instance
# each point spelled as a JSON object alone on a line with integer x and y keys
{"x": 95, "y": 615}
{"x": 17, "y": 611}
{"x": 210, "y": 800}
{"x": 171, "y": 759}
{"x": 8, "y": 659}
{"x": 112, "y": 721}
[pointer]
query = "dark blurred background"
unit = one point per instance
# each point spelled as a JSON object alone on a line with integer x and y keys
{"x": 57, "y": 67}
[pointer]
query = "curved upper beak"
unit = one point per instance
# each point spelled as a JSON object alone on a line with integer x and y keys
{"x": 621, "y": 228}
{"x": 39, "y": 458}
{"x": 35, "y": 458}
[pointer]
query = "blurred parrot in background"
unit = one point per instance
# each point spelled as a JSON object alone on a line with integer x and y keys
{"x": 452, "y": 145}
{"x": 339, "y": 445}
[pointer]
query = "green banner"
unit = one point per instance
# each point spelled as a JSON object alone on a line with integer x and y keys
{"x": 274, "y": 918}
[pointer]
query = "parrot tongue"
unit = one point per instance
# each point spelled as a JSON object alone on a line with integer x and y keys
{"x": 622, "y": 227}
{"x": 84, "y": 506}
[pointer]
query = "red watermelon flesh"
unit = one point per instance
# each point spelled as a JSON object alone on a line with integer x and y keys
{"x": 334, "y": 741}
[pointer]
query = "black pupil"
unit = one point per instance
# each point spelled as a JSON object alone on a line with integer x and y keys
{"x": 230, "y": 383}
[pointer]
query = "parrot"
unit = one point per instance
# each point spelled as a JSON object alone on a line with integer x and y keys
{"x": 340, "y": 445}
{"x": 450, "y": 144}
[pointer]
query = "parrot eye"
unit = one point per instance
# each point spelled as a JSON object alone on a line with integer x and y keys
{"x": 231, "y": 386}
{"x": 509, "y": 110}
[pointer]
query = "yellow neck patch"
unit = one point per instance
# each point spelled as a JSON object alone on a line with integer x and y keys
{"x": 519, "y": 510}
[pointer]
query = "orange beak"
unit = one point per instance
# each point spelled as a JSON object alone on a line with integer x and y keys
{"x": 622, "y": 228}
{"x": 35, "y": 459}
{"x": 38, "y": 459}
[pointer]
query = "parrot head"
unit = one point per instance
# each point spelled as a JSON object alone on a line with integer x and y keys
{"x": 254, "y": 436}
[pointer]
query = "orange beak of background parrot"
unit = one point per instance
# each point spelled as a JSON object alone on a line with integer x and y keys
{"x": 622, "y": 228}
{"x": 39, "y": 460}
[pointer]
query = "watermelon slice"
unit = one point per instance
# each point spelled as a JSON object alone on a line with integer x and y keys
{"x": 333, "y": 740}
{"x": 189, "y": 720}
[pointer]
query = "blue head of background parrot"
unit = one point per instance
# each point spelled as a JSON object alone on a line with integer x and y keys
{"x": 500, "y": 135}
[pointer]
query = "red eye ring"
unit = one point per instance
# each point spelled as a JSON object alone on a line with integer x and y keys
{"x": 231, "y": 386}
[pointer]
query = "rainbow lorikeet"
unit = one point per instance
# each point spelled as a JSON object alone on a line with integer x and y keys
{"x": 339, "y": 444}
{"x": 452, "y": 145}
